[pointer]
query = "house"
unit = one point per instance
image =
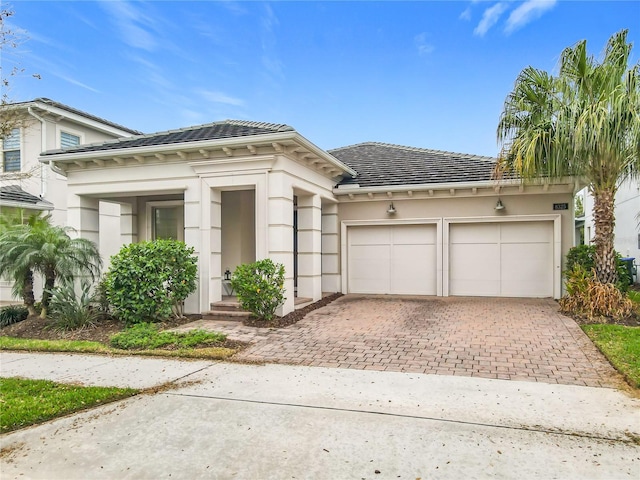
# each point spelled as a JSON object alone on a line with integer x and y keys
{"x": 367, "y": 218}
{"x": 627, "y": 227}
{"x": 30, "y": 186}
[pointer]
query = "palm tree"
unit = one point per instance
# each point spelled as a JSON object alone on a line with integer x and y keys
{"x": 11, "y": 247}
{"x": 49, "y": 250}
{"x": 584, "y": 122}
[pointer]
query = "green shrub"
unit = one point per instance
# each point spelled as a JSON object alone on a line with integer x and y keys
{"x": 260, "y": 287}
{"x": 70, "y": 312}
{"x": 148, "y": 281}
{"x": 584, "y": 255}
{"x": 146, "y": 336}
{"x": 588, "y": 298}
{"x": 12, "y": 314}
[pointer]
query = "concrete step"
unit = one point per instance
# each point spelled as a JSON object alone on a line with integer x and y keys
{"x": 226, "y": 305}
{"x": 217, "y": 314}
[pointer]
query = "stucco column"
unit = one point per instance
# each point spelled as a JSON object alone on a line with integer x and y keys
{"x": 192, "y": 239}
{"x": 281, "y": 233}
{"x": 330, "y": 248}
{"x": 215, "y": 244}
{"x": 83, "y": 215}
{"x": 310, "y": 247}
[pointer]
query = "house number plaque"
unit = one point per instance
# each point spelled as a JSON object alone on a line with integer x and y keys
{"x": 561, "y": 206}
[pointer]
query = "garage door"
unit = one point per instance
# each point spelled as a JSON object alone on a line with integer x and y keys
{"x": 398, "y": 259}
{"x": 512, "y": 259}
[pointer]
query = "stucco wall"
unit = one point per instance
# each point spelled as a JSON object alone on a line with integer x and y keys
{"x": 449, "y": 207}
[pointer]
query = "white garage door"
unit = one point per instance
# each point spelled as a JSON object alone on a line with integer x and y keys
{"x": 512, "y": 259}
{"x": 398, "y": 259}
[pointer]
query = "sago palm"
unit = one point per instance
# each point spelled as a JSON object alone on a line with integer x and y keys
{"x": 12, "y": 229}
{"x": 50, "y": 251}
{"x": 584, "y": 122}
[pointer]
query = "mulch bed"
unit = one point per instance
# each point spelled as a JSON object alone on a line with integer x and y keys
{"x": 37, "y": 328}
{"x": 290, "y": 318}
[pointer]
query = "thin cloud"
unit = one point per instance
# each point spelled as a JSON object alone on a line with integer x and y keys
{"x": 219, "y": 97}
{"x": 466, "y": 14}
{"x": 527, "y": 12}
{"x": 134, "y": 25}
{"x": 424, "y": 47}
{"x": 489, "y": 18}
{"x": 270, "y": 60}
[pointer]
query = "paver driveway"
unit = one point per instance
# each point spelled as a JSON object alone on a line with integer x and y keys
{"x": 516, "y": 339}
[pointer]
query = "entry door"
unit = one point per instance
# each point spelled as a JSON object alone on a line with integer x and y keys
{"x": 392, "y": 259}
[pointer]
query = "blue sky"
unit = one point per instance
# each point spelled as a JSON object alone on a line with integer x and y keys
{"x": 425, "y": 74}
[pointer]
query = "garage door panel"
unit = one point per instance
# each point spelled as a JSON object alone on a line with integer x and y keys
{"x": 413, "y": 235}
{"x": 410, "y": 265}
{"x": 367, "y": 261}
{"x": 370, "y": 236}
{"x": 474, "y": 234}
{"x": 526, "y": 268}
{"x": 473, "y": 269}
{"x": 526, "y": 232}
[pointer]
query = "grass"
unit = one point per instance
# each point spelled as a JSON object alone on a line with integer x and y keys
{"x": 78, "y": 346}
{"x": 621, "y": 345}
{"x": 26, "y": 402}
{"x": 146, "y": 336}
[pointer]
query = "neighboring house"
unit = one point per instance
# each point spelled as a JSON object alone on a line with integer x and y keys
{"x": 368, "y": 218}
{"x": 627, "y": 211}
{"x": 30, "y": 186}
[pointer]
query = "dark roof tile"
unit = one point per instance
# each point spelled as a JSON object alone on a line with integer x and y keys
{"x": 210, "y": 131}
{"x": 15, "y": 194}
{"x": 381, "y": 164}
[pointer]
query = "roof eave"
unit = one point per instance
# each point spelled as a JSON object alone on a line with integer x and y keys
{"x": 352, "y": 190}
{"x": 60, "y": 157}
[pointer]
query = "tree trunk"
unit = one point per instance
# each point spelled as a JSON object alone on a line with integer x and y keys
{"x": 604, "y": 221}
{"x": 49, "y": 283}
{"x": 27, "y": 292}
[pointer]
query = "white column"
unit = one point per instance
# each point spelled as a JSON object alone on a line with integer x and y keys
{"x": 215, "y": 250}
{"x": 280, "y": 226}
{"x": 83, "y": 215}
{"x": 330, "y": 248}
{"x": 310, "y": 247}
{"x": 192, "y": 239}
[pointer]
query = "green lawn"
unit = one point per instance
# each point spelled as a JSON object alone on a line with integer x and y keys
{"x": 621, "y": 345}
{"x": 26, "y": 402}
{"x": 78, "y": 346}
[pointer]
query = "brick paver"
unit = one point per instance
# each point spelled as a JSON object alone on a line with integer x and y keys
{"x": 517, "y": 339}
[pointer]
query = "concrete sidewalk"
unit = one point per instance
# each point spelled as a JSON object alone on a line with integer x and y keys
{"x": 227, "y": 420}
{"x": 98, "y": 370}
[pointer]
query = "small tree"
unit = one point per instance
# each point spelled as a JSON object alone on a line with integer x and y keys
{"x": 260, "y": 287}
{"x": 148, "y": 281}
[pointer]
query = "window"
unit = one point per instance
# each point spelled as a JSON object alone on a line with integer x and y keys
{"x": 165, "y": 223}
{"x": 11, "y": 151}
{"x": 69, "y": 140}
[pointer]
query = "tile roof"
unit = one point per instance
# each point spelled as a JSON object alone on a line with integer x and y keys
{"x": 380, "y": 164}
{"x": 209, "y": 131}
{"x": 16, "y": 195}
{"x": 69, "y": 109}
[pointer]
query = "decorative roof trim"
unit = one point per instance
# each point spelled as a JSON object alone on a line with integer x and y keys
{"x": 79, "y": 116}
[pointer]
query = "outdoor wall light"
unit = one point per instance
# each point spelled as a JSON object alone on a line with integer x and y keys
{"x": 227, "y": 274}
{"x": 499, "y": 205}
{"x": 391, "y": 210}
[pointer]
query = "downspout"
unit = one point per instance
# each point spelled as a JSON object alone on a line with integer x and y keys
{"x": 43, "y": 143}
